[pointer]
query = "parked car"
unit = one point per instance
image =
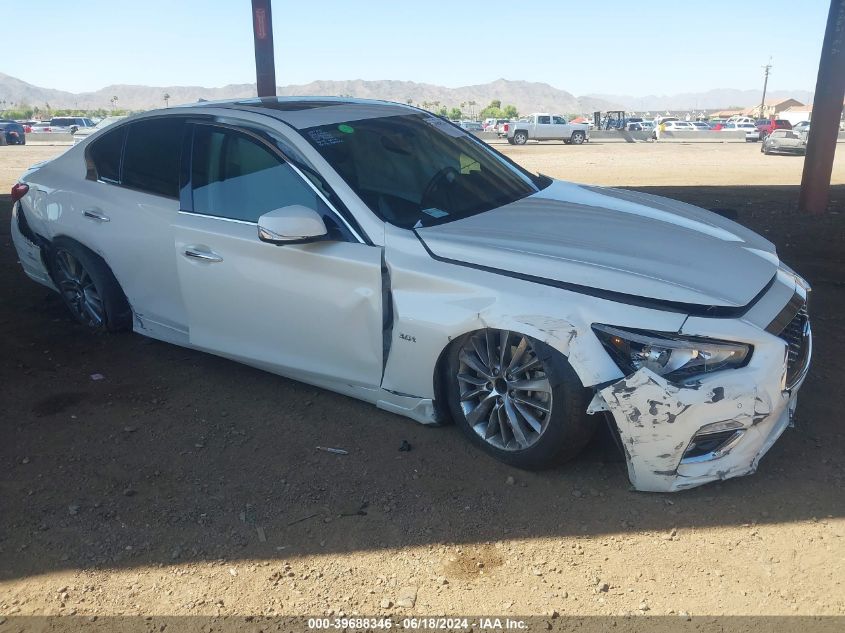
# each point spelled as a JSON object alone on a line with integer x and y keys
{"x": 803, "y": 127}
{"x": 471, "y": 126}
{"x": 677, "y": 126}
{"x": 84, "y": 132}
{"x": 501, "y": 127}
{"x": 741, "y": 119}
{"x": 701, "y": 126}
{"x": 13, "y": 132}
{"x": 62, "y": 125}
{"x": 752, "y": 134}
{"x": 767, "y": 126}
{"x": 647, "y": 125}
{"x": 547, "y": 127}
{"x": 378, "y": 251}
{"x": 70, "y": 124}
{"x": 785, "y": 142}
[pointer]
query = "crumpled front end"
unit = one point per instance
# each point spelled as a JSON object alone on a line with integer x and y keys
{"x": 719, "y": 426}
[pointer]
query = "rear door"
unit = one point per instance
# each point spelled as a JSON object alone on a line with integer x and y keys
{"x": 125, "y": 209}
{"x": 311, "y": 311}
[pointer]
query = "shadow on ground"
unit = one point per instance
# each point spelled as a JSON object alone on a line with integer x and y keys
{"x": 177, "y": 455}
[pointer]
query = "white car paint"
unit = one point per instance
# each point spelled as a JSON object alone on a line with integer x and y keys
{"x": 548, "y": 266}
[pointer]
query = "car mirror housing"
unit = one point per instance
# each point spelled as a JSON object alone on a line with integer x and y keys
{"x": 294, "y": 224}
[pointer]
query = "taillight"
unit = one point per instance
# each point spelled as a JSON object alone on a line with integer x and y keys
{"x": 506, "y": 127}
{"x": 19, "y": 191}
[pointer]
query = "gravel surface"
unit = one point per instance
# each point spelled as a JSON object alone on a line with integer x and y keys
{"x": 142, "y": 478}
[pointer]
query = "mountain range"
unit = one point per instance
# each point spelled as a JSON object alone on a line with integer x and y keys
{"x": 721, "y": 98}
{"x": 526, "y": 96}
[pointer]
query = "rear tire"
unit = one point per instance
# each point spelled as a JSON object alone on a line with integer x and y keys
{"x": 528, "y": 411}
{"x": 578, "y": 138}
{"x": 520, "y": 137}
{"x": 88, "y": 287}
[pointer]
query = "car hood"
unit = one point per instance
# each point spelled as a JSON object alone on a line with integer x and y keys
{"x": 616, "y": 241}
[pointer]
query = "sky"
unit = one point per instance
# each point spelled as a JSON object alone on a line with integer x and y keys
{"x": 584, "y": 47}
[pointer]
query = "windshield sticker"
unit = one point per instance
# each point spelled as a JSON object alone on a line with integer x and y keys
{"x": 436, "y": 213}
{"x": 324, "y": 138}
{"x": 346, "y": 129}
{"x": 444, "y": 126}
{"x": 469, "y": 164}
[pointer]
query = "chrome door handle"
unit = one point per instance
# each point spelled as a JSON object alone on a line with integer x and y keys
{"x": 95, "y": 214}
{"x": 205, "y": 256}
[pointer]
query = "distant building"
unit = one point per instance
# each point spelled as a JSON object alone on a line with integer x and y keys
{"x": 772, "y": 108}
{"x": 799, "y": 113}
{"x": 725, "y": 114}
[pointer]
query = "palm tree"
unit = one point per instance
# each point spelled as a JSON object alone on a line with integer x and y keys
{"x": 166, "y": 98}
{"x": 113, "y": 101}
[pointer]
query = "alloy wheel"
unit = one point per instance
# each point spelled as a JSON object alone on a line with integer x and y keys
{"x": 78, "y": 290}
{"x": 505, "y": 393}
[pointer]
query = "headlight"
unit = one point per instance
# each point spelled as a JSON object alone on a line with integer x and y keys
{"x": 672, "y": 356}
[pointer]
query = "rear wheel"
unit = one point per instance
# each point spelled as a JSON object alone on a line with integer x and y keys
{"x": 518, "y": 399}
{"x": 578, "y": 138}
{"x": 520, "y": 137}
{"x": 89, "y": 288}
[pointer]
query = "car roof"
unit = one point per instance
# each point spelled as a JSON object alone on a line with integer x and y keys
{"x": 305, "y": 112}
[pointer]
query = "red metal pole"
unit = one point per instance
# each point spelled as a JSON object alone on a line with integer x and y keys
{"x": 827, "y": 112}
{"x": 265, "y": 65}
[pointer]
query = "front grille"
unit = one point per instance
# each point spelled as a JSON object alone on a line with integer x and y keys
{"x": 797, "y": 336}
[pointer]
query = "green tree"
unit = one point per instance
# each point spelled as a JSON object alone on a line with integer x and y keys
{"x": 491, "y": 112}
{"x": 456, "y": 114}
{"x": 443, "y": 111}
{"x": 496, "y": 103}
{"x": 511, "y": 112}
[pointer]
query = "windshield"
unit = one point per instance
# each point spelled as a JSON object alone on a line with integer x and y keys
{"x": 418, "y": 170}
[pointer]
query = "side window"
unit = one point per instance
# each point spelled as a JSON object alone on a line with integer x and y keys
{"x": 104, "y": 156}
{"x": 235, "y": 177}
{"x": 151, "y": 158}
{"x": 558, "y": 120}
{"x": 543, "y": 119}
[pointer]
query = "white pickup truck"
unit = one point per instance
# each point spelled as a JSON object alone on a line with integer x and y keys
{"x": 547, "y": 127}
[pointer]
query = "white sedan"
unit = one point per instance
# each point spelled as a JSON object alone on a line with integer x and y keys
{"x": 379, "y": 251}
{"x": 752, "y": 134}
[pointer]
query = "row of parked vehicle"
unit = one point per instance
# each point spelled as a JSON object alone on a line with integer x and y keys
{"x": 14, "y": 132}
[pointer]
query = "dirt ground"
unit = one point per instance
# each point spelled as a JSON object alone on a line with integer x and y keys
{"x": 185, "y": 484}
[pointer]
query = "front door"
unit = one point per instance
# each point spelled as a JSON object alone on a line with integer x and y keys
{"x": 309, "y": 311}
{"x": 544, "y": 127}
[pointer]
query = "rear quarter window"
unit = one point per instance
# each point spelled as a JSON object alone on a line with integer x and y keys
{"x": 104, "y": 156}
{"x": 152, "y": 155}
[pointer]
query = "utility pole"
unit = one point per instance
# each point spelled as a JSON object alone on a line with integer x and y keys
{"x": 265, "y": 65}
{"x": 766, "y": 70}
{"x": 827, "y": 111}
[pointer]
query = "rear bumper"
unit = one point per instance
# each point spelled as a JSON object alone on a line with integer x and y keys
{"x": 29, "y": 253}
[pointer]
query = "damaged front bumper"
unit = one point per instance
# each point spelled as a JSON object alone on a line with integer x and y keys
{"x": 736, "y": 415}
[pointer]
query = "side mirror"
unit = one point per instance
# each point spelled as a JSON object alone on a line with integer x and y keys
{"x": 294, "y": 224}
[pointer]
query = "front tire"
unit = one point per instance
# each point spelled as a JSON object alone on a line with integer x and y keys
{"x": 517, "y": 399}
{"x": 88, "y": 287}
